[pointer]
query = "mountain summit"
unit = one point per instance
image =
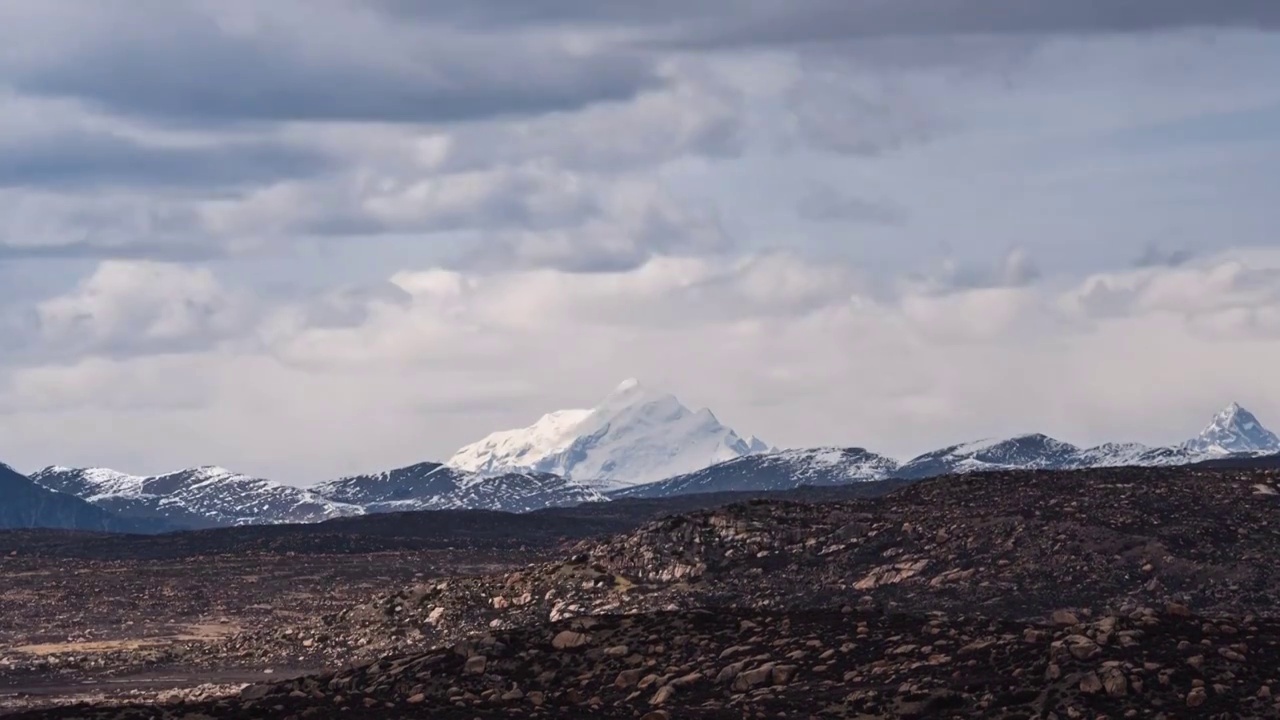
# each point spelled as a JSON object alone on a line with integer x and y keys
{"x": 635, "y": 435}
{"x": 1233, "y": 431}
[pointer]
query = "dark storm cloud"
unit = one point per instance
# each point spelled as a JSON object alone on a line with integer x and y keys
{"x": 809, "y": 20}
{"x": 257, "y": 86}
{"x": 459, "y": 60}
{"x": 173, "y": 61}
{"x": 99, "y": 159}
{"x": 138, "y": 250}
{"x": 732, "y": 22}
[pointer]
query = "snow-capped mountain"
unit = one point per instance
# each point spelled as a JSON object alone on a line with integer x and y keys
{"x": 195, "y": 497}
{"x": 508, "y": 450}
{"x": 27, "y": 504}
{"x": 637, "y": 443}
{"x": 1023, "y": 451}
{"x": 433, "y": 486}
{"x": 635, "y": 436}
{"x": 1121, "y": 454}
{"x": 778, "y": 470}
{"x": 1234, "y": 431}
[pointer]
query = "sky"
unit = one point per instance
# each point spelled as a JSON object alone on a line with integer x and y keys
{"x": 309, "y": 238}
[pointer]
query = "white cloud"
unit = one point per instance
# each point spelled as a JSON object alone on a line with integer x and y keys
{"x": 379, "y": 230}
{"x": 797, "y": 352}
{"x": 138, "y": 307}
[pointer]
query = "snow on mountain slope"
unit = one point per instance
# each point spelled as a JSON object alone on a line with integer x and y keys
{"x": 433, "y": 486}
{"x": 1023, "y": 451}
{"x": 25, "y": 503}
{"x": 636, "y": 443}
{"x": 778, "y": 470}
{"x": 505, "y": 450}
{"x": 1121, "y": 454}
{"x": 1233, "y": 431}
{"x": 196, "y": 497}
{"x": 635, "y": 436}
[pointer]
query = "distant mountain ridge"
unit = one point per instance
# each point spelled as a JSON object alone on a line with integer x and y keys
{"x": 1233, "y": 433}
{"x": 634, "y": 430}
{"x": 779, "y": 470}
{"x": 435, "y": 486}
{"x": 27, "y": 504}
{"x": 200, "y": 497}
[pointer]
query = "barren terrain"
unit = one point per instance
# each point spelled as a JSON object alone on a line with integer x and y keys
{"x": 1098, "y": 593}
{"x": 107, "y": 618}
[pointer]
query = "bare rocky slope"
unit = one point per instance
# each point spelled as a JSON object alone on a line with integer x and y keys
{"x": 1131, "y": 592}
{"x": 1013, "y": 545}
{"x": 1162, "y": 662}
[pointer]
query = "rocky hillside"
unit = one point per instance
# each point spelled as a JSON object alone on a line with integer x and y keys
{"x": 1156, "y": 662}
{"x": 847, "y": 663}
{"x": 1017, "y": 545}
{"x": 1130, "y": 592}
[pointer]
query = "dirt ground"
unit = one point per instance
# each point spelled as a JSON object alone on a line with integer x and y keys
{"x": 95, "y": 630}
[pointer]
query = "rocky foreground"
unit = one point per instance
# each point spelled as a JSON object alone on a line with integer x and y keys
{"x": 848, "y": 663}
{"x": 1010, "y": 545}
{"x": 1140, "y": 593}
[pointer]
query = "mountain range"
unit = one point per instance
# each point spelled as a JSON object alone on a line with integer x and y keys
{"x": 637, "y": 443}
{"x": 194, "y": 498}
{"x": 435, "y": 486}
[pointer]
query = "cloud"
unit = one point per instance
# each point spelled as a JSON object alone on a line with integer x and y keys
{"x": 1153, "y": 256}
{"x": 634, "y": 222}
{"x": 309, "y": 237}
{"x": 294, "y": 61}
{"x": 1225, "y": 289}
{"x": 777, "y": 21}
{"x": 833, "y": 111}
{"x": 769, "y": 22}
{"x": 130, "y": 224}
{"x": 694, "y": 112}
{"x": 824, "y": 203}
{"x": 126, "y": 308}
{"x": 532, "y": 215}
{"x": 1015, "y": 270}
{"x": 104, "y": 160}
{"x": 530, "y": 196}
{"x": 150, "y": 384}
{"x": 897, "y": 372}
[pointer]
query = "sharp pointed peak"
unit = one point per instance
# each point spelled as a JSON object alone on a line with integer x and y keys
{"x": 1232, "y": 412}
{"x": 1234, "y": 430}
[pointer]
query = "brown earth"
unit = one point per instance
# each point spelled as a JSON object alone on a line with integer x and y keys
{"x": 1103, "y": 593}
